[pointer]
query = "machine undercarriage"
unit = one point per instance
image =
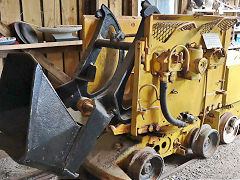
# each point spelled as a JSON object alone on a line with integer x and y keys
{"x": 148, "y": 88}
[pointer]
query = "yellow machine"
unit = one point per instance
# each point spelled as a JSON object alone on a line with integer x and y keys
{"x": 200, "y": 91}
{"x": 172, "y": 91}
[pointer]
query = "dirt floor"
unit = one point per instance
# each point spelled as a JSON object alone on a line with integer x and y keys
{"x": 225, "y": 164}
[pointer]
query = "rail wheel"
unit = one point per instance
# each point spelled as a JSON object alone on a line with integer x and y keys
{"x": 228, "y": 128}
{"x": 207, "y": 142}
{"x": 145, "y": 164}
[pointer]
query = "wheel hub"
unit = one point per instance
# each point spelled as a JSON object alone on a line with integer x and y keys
{"x": 147, "y": 168}
{"x": 228, "y": 127}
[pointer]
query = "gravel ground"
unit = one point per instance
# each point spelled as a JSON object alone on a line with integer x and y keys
{"x": 224, "y": 164}
{"x": 9, "y": 169}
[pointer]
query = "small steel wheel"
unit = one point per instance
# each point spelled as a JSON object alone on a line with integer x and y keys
{"x": 228, "y": 128}
{"x": 207, "y": 142}
{"x": 145, "y": 164}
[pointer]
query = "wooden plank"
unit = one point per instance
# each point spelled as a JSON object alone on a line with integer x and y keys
{"x": 50, "y": 67}
{"x": 182, "y": 8}
{"x": 40, "y": 45}
{"x": 116, "y": 7}
{"x": 70, "y": 17}
{"x": 126, "y": 8}
{"x": 100, "y": 2}
{"x": 52, "y": 18}
{"x": 32, "y": 14}
{"x": 134, "y": 7}
{"x": 10, "y": 11}
{"x": 81, "y": 10}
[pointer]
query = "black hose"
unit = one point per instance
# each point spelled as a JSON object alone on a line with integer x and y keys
{"x": 163, "y": 103}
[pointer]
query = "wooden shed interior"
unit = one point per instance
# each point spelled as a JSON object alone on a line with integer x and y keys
{"x": 60, "y": 59}
{"x": 49, "y": 13}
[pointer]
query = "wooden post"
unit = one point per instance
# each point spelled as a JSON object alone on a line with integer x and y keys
{"x": 49, "y": 9}
{"x": 100, "y": 2}
{"x": 126, "y": 10}
{"x": 116, "y": 7}
{"x": 32, "y": 14}
{"x": 182, "y": 6}
{"x": 69, "y": 17}
{"x": 134, "y": 7}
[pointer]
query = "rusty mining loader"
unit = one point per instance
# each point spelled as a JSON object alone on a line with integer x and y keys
{"x": 168, "y": 90}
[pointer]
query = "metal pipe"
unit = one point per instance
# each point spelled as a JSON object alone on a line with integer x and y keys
{"x": 112, "y": 44}
{"x": 163, "y": 103}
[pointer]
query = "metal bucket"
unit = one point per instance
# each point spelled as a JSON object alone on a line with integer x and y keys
{"x": 37, "y": 129}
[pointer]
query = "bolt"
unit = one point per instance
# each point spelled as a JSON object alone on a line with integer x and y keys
{"x": 211, "y": 115}
{"x": 117, "y": 146}
{"x": 208, "y": 108}
{"x": 147, "y": 168}
{"x": 87, "y": 106}
{"x": 208, "y": 141}
{"x": 150, "y": 128}
{"x": 233, "y": 123}
{"x": 158, "y": 128}
{"x": 213, "y": 106}
{"x": 219, "y": 105}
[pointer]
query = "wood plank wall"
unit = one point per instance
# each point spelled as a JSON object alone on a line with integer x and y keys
{"x": 68, "y": 12}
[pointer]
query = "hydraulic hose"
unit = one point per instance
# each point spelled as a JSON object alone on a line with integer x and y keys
{"x": 163, "y": 103}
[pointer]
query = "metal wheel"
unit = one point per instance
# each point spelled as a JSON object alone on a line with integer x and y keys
{"x": 228, "y": 128}
{"x": 207, "y": 142}
{"x": 145, "y": 164}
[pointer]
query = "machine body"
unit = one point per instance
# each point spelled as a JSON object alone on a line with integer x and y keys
{"x": 149, "y": 87}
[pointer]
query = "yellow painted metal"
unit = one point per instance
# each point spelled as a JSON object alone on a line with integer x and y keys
{"x": 174, "y": 139}
{"x": 108, "y": 58}
{"x": 189, "y": 79}
{"x": 189, "y": 94}
{"x": 232, "y": 85}
{"x": 213, "y": 117}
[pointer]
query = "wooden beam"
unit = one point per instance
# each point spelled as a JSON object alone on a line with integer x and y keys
{"x": 134, "y": 7}
{"x": 50, "y": 67}
{"x": 40, "y": 45}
